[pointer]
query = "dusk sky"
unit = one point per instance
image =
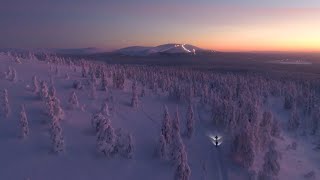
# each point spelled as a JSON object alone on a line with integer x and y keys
{"x": 225, "y": 25}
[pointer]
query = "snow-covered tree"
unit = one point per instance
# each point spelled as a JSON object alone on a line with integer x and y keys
{"x": 176, "y": 121}
{"x": 271, "y": 166}
{"x": 24, "y": 123}
{"x": 166, "y": 128}
{"x": 129, "y": 148}
{"x": 93, "y": 91}
{"x": 294, "y": 119}
{"x": 104, "y": 82}
{"x": 83, "y": 71}
{"x": 98, "y": 120}
{"x": 105, "y": 109}
{"x": 134, "y": 99}
{"x": 52, "y": 91}
{"x": 162, "y": 150}
{"x": 5, "y": 104}
{"x": 54, "y": 108}
{"x": 14, "y": 76}
{"x": 242, "y": 149}
{"x": 73, "y": 101}
{"x": 275, "y": 128}
{"x": 67, "y": 76}
{"x": 315, "y": 121}
{"x": 43, "y": 93}
{"x": 35, "y": 82}
{"x": 182, "y": 171}
{"x": 9, "y": 73}
{"x": 77, "y": 84}
{"x": 143, "y": 92}
{"x": 106, "y": 140}
{"x": 58, "y": 144}
{"x": 190, "y": 121}
{"x": 265, "y": 129}
{"x": 56, "y": 71}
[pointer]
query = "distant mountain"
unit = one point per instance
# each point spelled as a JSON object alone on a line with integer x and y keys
{"x": 162, "y": 49}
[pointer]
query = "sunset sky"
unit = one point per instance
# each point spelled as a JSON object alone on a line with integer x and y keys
{"x": 224, "y": 25}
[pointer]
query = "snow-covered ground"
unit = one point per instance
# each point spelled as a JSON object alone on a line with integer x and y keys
{"x": 32, "y": 157}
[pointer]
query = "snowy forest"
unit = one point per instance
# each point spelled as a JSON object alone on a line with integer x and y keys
{"x": 65, "y": 118}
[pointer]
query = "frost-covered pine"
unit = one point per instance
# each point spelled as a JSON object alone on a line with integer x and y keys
{"x": 5, "y": 104}
{"x": 190, "y": 121}
{"x": 98, "y": 120}
{"x": 104, "y": 82}
{"x": 106, "y": 140}
{"x": 56, "y": 71}
{"x": 17, "y": 60}
{"x": 93, "y": 91}
{"x": 275, "y": 128}
{"x": 134, "y": 99}
{"x": 14, "y": 76}
{"x": 58, "y": 144}
{"x": 51, "y": 81}
{"x": 271, "y": 166}
{"x": 315, "y": 120}
{"x": 67, "y": 76}
{"x": 129, "y": 149}
{"x": 93, "y": 78}
{"x": 83, "y": 71}
{"x": 176, "y": 121}
{"x": 105, "y": 109}
{"x": 242, "y": 149}
{"x": 143, "y": 91}
{"x": 43, "y": 93}
{"x": 77, "y": 84}
{"x": 54, "y": 108}
{"x": 166, "y": 128}
{"x": 73, "y": 101}
{"x": 35, "y": 83}
{"x": 9, "y": 73}
{"x": 162, "y": 150}
{"x": 294, "y": 119}
{"x": 182, "y": 171}
{"x": 24, "y": 123}
{"x": 52, "y": 91}
{"x": 265, "y": 129}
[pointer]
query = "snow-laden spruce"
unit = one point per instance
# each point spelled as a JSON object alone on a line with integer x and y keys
{"x": 182, "y": 171}
{"x": 43, "y": 93}
{"x": 24, "y": 125}
{"x": 14, "y": 76}
{"x": 98, "y": 121}
{"x": 105, "y": 109}
{"x": 162, "y": 148}
{"x": 106, "y": 139}
{"x": 53, "y": 106}
{"x": 5, "y": 104}
{"x": 271, "y": 166}
{"x": 93, "y": 91}
{"x": 73, "y": 101}
{"x": 35, "y": 83}
{"x": 166, "y": 128}
{"x": 57, "y": 140}
{"x": 190, "y": 121}
{"x": 104, "y": 82}
{"x": 135, "y": 98}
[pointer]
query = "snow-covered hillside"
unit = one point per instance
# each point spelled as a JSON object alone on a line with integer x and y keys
{"x": 165, "y": 48}
{"x": 79, "y": 137}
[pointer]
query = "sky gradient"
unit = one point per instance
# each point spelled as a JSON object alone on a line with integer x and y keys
{"x": 224, "y": 25}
